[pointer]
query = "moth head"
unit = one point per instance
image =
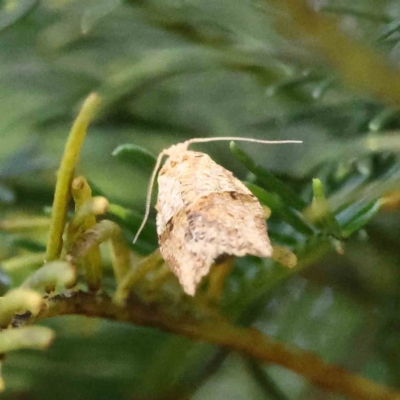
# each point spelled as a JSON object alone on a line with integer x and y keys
{"x": 177, "y": 149}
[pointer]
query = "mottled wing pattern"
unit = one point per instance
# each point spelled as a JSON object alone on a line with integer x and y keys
{"x": 218, "y": 215}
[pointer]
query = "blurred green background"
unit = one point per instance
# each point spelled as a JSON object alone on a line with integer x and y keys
{"x": 170, "y": 70}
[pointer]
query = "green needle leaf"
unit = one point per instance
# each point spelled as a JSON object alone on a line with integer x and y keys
{"x": 275, "y": 203}
{"x": 357, "y": 216}
{"x": 135, "y": 155}
{"x": 270, "y": 182}
{"x": 320, "y": 211}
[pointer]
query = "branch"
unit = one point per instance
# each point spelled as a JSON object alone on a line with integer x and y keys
{"x": 219, "y": 331}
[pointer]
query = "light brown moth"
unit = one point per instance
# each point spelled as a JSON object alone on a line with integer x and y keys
{"x": 204, "y": 212}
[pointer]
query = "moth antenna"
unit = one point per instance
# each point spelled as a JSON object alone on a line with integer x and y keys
{"x": 149, "y": 193}
{"x": 241, "y": 139}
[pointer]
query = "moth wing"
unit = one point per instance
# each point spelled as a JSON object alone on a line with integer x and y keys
{"x": 204, "y": 212}
{"x": 176, "y": 253}
{"x": 169, "y": 200}
{"x": 229, "y": 223}
{"x": 200, "y": 176}
{"x": 217, "y": 224}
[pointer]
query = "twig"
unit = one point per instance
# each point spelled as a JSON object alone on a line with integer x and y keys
{"x": 131, "y": 277}
{"x": 250, "y": 342}
{"x": 27, "y": 337}
{"x": 65, "y": 175}
{"x": 100, "y": 233}
{"x": 19, "y": 262}
{"x": 86, "y": 210}
{"x": 18, "y": 300}
{"x": 121, "y": 256}
{"x": 51, "y": 275}
{"x": 217, "y": 279}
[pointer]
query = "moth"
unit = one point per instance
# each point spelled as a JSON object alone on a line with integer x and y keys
{"x": 204, "y": 212}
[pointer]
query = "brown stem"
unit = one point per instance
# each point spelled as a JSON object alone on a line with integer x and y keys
{"x": 219, "y": 331}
